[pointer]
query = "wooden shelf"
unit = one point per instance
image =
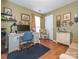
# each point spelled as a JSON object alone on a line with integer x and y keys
{"x": 6, "y": 14}
{"x": 9, "y": 20}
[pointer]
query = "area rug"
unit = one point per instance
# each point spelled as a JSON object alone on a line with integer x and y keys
{"x": 34, "y": 52}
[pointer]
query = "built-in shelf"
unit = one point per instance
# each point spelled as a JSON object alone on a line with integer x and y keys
{"x": 9, "y": 20}
{"x": 6, "y": 14}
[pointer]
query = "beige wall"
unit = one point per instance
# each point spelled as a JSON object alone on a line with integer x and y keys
{"x": 43, "y": 22}
{"x": 16, "y": 11}
{"x": 60, "y": 11}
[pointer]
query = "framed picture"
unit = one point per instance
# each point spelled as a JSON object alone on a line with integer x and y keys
{"x": 67, "y": 16}
{"x": 25, "y": 23}
{"x": 25, "y": 17}
{"x": 58, "y": 20}
{"x": 7, "y": 11}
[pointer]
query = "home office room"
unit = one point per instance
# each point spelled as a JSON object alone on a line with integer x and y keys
{"x": 39, "y": 29}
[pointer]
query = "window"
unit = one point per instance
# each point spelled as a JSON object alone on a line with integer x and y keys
{"x": 37, "y": 23}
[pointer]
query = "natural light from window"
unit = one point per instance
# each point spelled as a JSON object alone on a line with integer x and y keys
{"x": 37, "y": 23}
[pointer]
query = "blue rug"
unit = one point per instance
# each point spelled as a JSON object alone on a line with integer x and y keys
{"x": 34, "y": 52}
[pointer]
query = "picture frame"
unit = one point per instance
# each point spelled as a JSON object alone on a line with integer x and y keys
{"x": 58, "y": 20}
{"x": 25, "y": 17}
{"x": 7, "y": 11}
{"x": 25, "y": 23}
{"x": 67, "y": 16}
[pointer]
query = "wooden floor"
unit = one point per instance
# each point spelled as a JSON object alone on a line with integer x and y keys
{"x": 4, "y": 56}
{"x": 55, "y": 49}
{"x": 53, "y": 53}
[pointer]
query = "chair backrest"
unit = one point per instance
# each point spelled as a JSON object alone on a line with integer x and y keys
{"x": 27, "y": 36}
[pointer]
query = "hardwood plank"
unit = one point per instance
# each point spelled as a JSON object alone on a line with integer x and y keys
{"x": 4, "y": 56}
{"x": 56, "y": 49}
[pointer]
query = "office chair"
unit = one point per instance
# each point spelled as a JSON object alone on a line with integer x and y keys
{"x": 26, "y": 38}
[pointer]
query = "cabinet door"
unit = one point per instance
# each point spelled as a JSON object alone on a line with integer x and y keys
{"x": 63, "y": 38}
{"x": 59, "y": 37}
{"x": 66, "y": 38}
{"x": 16, "y": 43}
{"x": 13, "y": 43}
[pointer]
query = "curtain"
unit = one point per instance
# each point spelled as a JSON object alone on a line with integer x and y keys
{"x": 33, "y": 22}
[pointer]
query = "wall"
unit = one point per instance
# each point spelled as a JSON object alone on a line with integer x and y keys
{"x": 60, "y": 11}
{"x": 16, "y": 11}
{"x": 43, "y": 22}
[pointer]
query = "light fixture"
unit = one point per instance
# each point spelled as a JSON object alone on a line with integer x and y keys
{"x": 76, "y": 18}
{"x": 39, "y": 10}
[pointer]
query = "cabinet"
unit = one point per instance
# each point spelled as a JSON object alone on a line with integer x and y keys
{"x": 13, "y": 42}
{"x": 36, "y": 37}
{"x": 7, "y": 17}
{"x": 63, "y": 37}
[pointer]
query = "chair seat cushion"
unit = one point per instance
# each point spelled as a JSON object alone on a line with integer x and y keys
{"x": 25, "y": 42}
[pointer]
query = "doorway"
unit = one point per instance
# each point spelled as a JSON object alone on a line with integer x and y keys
{"x": 49, "y": 26}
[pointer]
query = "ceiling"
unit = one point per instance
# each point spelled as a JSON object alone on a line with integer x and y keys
{"x": 42, "y": 6}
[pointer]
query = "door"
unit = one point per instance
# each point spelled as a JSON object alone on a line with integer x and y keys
{"x": 49, "y": 26}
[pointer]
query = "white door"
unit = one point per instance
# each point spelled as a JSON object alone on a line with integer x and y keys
{"x": 49, "y": 26}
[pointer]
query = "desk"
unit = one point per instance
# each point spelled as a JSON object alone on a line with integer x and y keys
{"x": 14, "y": 40}
{"x": 36, "y": 37}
